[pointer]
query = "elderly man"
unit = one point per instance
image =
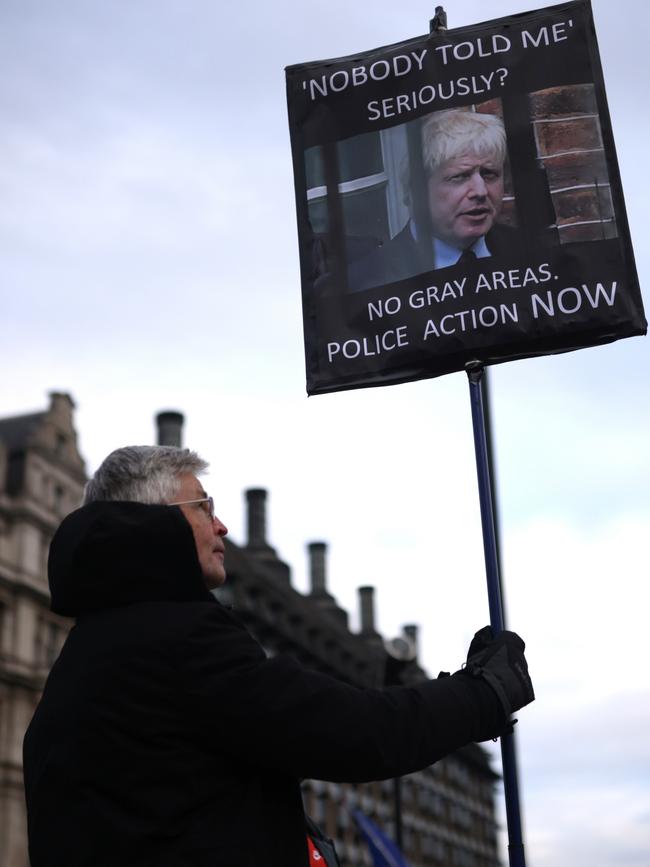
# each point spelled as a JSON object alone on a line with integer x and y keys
{"x": 463, "y": 154}
{"x": 165, "y": 737}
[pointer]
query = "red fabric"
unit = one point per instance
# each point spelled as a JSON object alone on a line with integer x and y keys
{"x": 315, "y": 857}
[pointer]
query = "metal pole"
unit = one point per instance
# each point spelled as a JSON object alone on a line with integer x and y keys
{"x": 483, "y": 450}
{"x": 475, "y": 373}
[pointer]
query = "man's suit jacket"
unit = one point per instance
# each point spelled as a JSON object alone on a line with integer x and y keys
{"x": 402, "y": 257}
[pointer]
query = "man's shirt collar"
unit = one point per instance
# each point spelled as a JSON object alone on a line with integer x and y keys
{"x": 444, "y": 255}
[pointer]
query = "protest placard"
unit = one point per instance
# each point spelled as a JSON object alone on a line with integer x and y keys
{"x": 458, "y": 198}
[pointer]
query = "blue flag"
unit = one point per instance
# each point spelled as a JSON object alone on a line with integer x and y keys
{"x": 384, "y": 851}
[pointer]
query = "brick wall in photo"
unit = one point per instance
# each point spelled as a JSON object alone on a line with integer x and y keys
{"x": 570, "y": 147}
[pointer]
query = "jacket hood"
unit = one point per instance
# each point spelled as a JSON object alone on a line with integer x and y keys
{"x": 110, "y": 554}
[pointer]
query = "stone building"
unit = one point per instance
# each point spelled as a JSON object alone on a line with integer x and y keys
{"x": 41, "y": 479}
{"x": 444, "y": 816}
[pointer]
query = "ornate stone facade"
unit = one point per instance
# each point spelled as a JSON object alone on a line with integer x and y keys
{"x": 41, "y": 479}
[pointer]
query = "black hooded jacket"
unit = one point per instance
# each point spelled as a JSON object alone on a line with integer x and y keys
{"x": 166, "y": 738}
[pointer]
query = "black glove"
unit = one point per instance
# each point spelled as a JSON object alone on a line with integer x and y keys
{"x": 500, "y": 661}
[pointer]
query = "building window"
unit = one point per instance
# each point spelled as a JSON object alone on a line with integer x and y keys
{"x": 58, "y": 499}
{"x": 60, "y": 443}
{"x": 369, "y": 184}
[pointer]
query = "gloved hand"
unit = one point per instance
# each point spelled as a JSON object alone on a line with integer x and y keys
{"x": 500, "y": 661}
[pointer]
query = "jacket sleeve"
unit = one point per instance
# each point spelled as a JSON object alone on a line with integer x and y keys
{"x": 281, "y": 715}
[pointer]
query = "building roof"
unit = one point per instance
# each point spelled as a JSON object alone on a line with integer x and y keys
{"x": 17, "y": 431}
{"x": 49, "y": 433}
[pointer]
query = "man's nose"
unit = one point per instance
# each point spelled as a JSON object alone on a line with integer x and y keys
{"x": 477, "y": 186}
{"x": 219, "y": 527}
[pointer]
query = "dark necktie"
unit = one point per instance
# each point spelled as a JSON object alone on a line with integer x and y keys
{"x": 466, "y": 257}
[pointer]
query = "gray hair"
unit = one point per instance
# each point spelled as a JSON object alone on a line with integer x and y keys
{"x": 447, "y": 134}
{"x": 143, "y": 474}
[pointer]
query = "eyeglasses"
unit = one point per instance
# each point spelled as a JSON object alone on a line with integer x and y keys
{"x": 208, "y": 508}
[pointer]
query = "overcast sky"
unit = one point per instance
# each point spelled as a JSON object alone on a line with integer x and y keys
{"x": 149, "y": 261}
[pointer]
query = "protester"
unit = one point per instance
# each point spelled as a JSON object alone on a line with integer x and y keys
{"x": 165, "y": 737}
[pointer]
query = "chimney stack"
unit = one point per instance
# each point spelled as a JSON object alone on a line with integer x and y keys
{"x": 411, "y": 632}
{"x": 256, "y": 517}
{"x": 256, "y": 543}
{"x": 367, "y": 610}
{"x": 170, "y": 428}
{"x": 317, "y": 568}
